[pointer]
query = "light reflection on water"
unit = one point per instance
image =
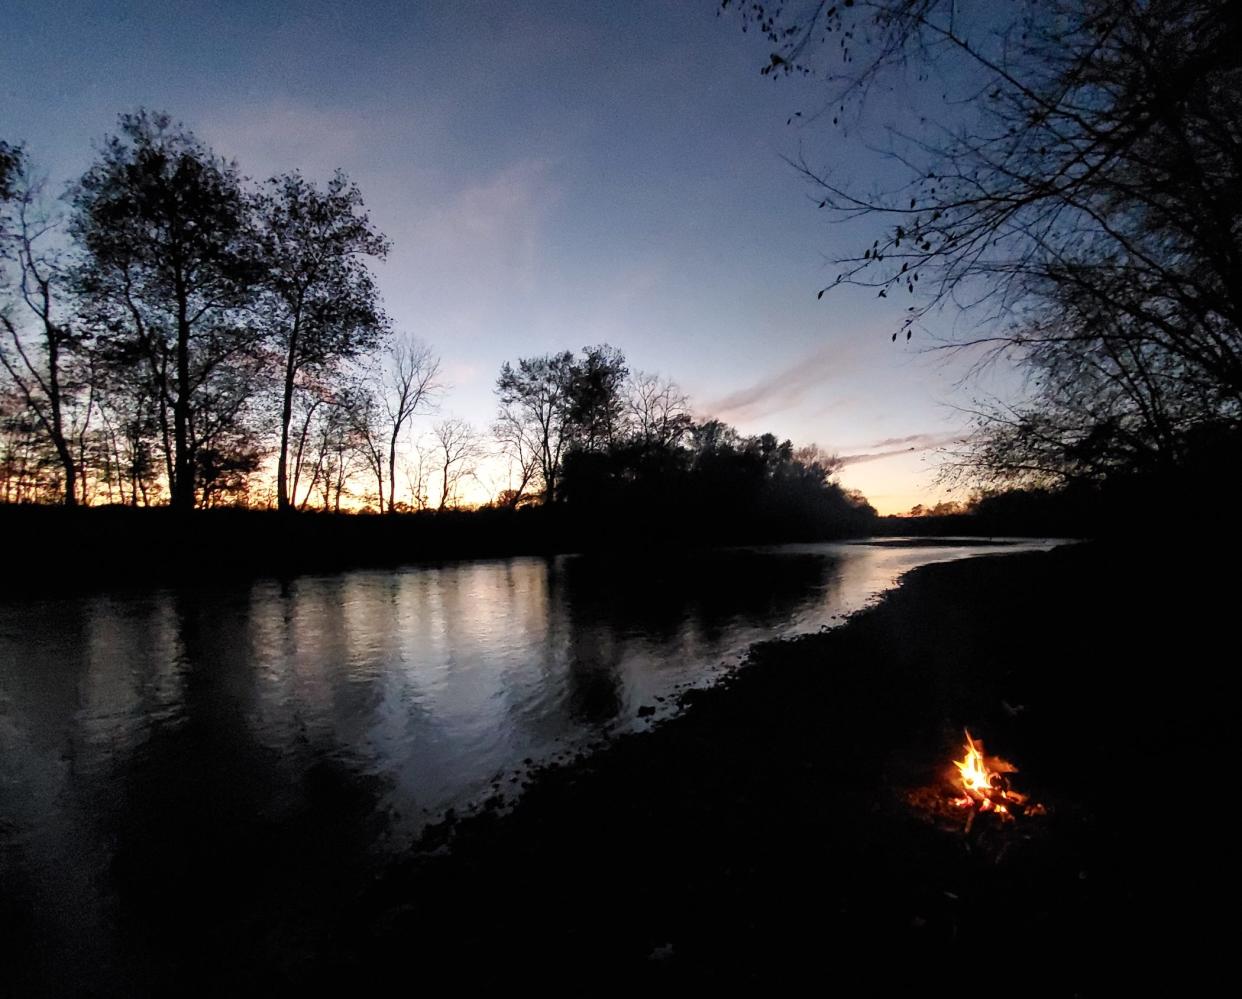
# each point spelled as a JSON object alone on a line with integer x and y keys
{"x": 360, "y": 703}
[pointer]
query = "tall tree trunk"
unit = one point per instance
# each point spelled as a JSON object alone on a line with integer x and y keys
{"x": 283, "y": 501}
{"x": 58, "y": 436}
{"x": 170, "y": 469}
{"x": 183, "y": 485}
{"x": 392, "y": 472}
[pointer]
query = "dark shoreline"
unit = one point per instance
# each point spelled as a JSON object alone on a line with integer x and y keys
{"x": 67, "y": 551}
{"x": 763, "y": 834}
{"x": 59, "y": 551}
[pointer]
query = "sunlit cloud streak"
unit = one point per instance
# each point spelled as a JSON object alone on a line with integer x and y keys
{"x": 785, "y": 388}
{"x": 889, "y": 447}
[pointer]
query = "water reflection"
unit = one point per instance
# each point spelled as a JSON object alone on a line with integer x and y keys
{"x": 169, "y": 754}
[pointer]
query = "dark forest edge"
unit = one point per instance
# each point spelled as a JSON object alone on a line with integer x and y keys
{"x": 101, "y": 547}
{"x": 104, "y": 546}
{"x": 739, "y": 491}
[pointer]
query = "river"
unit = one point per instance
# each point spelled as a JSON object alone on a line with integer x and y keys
{"x": 152, "y": 740}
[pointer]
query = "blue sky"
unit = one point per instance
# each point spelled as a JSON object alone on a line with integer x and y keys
{"x": 551, "y": 174}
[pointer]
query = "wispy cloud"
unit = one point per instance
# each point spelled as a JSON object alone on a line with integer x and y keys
{"x": 912, "y": 441}
{"x": 890, "y": 446}
{"x": 281, "y": 135}
{"x": 785, "y": 388}
{"x": 484, "y": 241}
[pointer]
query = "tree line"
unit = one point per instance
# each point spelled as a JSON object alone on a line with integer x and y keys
{"x": 169, "y": 325}
{"x": 584, "y": 432}
{"x": 176, "y": 334}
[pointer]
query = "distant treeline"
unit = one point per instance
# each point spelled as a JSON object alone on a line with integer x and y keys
{"x": 111, "y": 546}
{"x": 1127, "y": 502}
{"x": 624, "y": 452}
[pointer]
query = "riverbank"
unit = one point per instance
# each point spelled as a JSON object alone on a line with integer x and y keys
{"x": 764, "y": 835}
{"x": 101, "y": 548}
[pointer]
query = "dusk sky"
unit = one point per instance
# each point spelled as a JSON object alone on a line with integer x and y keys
{"x": 551, "y": 175}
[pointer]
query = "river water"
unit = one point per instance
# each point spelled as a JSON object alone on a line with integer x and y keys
{"x": 151, "y": 739}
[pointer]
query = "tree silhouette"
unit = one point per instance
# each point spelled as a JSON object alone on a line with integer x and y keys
{"x": 44, "y": 366}
{"x": 404, "y": 383}
{"x": 10, "y": 162}
{"x": 534, "y": 410}
{"x": 1079, "y": 189}
{"x": 557, "y": 403}
{"x": 596, "y": 399}
{"x": 458, "y": 449}
{"x": 658, "y": 410}
{"x": 170, "y": 265}
{"x": 322, "y": 302}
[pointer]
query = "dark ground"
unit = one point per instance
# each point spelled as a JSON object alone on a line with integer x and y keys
{"x": 762, "y": 837}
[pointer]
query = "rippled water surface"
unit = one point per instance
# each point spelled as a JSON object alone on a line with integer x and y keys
{"x": 142, "y": 732}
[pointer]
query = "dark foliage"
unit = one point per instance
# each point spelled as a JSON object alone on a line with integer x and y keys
{"x": 718, "y": 487}
{"x": 10, "y": 165}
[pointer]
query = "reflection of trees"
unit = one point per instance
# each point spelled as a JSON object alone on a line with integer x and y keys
{"x": 709, "y": 591}
{"x": 229, "y": 792}
{"x": 593, "y": 688}
{"x": 605, "y": 615}
{"x": 215, "y": 822}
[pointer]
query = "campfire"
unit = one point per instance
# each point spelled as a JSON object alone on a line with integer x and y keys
{"x": 984, "y": 784}
{"x": 975, "y": 785}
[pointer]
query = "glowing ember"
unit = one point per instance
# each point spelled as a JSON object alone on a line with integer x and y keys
{"x": 976, "y": 785}
{"x": 984, "y": 784}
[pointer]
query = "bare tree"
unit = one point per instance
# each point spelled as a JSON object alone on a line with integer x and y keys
{"x": 519, "y": 447}
{"x": 40, "y": 363}
{"x": 404, "y": 383}
{"x": 20, "y": 454}
{"x": 338, "y": 449}
{"x": 416, "y": 473}
{"x": 534, "y": 411}
{"x": 658, "y": 411}
{"x": 1076, "y": 194}
{"x": 411, "y": 387}
{"x": 458, "y": 449}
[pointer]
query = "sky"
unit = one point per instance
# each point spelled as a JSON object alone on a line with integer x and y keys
{"x": 551, "y": 175}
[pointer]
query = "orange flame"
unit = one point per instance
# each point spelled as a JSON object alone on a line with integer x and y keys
{"x": 974, "y": 768}
{"x": 983, "y": 781}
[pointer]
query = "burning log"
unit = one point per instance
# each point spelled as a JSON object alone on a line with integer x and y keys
{"x": 985, "y": 785}
{"x": 977, "y": 785}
